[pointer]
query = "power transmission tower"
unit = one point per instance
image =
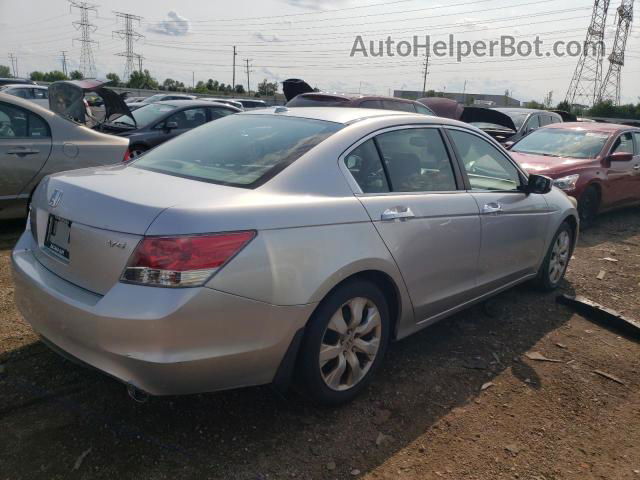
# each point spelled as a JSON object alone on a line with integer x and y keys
{"x": 14, "y": 64}
{"x": 587, "y": 78}
{"x": 611, "y": 85}
{"x": 64, "y": 62}
{"x": 234, "y": 66}
{"x": 247, "y": 60}
{"x": 86, "y": 28}
{"x": 426, "y": 72}
{"x": 129, "y": 35}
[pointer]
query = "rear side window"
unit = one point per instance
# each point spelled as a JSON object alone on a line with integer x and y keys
{"x": 486, "y": 167}
{"x": 238, "y": 150}
{"x": 318, "y": 101}
{"x": 220, "y": 112}
{"x": 366, "y": 168}
{"x": 422, "y": 109}
{"x": 400, "y": 106}
{"x": 18, "y": 123}
{"x": 636, "y": 135}
{"x": 370, "y": 104}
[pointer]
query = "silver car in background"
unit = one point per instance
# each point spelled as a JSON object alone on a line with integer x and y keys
{"x": 37, "y": 94}
{"x": 282, "y": 243}
{"x": 35, "y": 142}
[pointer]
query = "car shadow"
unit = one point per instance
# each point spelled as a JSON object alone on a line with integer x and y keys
{"x": 52, "y": 411}
{"x": 612, "y": 227}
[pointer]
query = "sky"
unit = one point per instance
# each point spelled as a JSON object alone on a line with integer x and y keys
{"x": 313, "y": 39}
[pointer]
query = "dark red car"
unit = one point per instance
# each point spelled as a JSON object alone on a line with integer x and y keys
{"x": 597, "y": 163}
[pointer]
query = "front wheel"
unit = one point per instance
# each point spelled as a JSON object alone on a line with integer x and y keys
{"x": 344, "y": 344}
{"x": 588, "y": 206}
{"x": 557, "y": 259}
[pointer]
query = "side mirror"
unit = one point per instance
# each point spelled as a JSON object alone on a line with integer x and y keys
{"x": 538, "y": 184}
{"x": 620, "y": 157}
{"x": 170, "y": 126}
{"x": 509, "y": 145}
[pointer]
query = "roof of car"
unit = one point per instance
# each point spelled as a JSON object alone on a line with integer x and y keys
{"x": 346, "y": 115}
{"x": 522, "y": 110}
{"x": 24, "y": 85}
{"x": 352, "y": 96}
{"x": 593, "y": 127}
{"x": 191, "y": 103}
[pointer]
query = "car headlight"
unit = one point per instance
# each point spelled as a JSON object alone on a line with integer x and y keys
{"x": 567, "y": 183}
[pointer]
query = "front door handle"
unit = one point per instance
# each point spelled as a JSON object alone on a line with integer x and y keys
{"x": 636, "y": 167}
{"x": 492, "y": 208}
{"x": 22, "y": 151}
{"x": 397, "y": 213}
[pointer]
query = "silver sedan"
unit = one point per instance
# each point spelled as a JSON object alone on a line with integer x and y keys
{"x": 35, "y": 142}
{"x": 283, "y": 244}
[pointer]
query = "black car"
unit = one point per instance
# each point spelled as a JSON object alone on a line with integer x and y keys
{"x": 527, "y": 120}
{"x": 10, "y": 81}
{"x": 158, "y": 122}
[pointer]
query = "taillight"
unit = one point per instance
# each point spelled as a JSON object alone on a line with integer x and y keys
{"x": 127, "y": 156}
{"x": 182, "y": 261}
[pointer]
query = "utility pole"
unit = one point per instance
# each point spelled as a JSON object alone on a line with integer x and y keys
{"x": 247, "y": 60}
{"x": 14, "y": 64}
{"x": 426, "y": 72}
{"x": 193, "y": 80}
{"x": 234, "y": 67}
{"x": 464, "y": 93}
{"x": 129, "y": 35}
{"x": 86, "y": 28}
{"x": 140, "y": 58}
{"x": 64, "y": 62}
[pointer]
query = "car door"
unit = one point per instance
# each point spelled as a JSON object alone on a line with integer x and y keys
{"x": 25, "y": 145}
{"x": 621, "y": 185}
{"x": 184, "y": 120}
{"x": 514, "y": 224}
{"x": 428, "y": 222}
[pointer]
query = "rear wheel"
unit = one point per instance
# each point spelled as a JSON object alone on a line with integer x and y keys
{"x": 588, "y": 206}
{"x": 344, "y": 344}
{"x": 136, "y": 151}
{"x": 557, "y": 259}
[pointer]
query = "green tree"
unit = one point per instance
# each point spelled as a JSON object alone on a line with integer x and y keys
{"x": 535, "y": 105}
{"x": 35, "y": 76}
{"x": 54, "y": 76}
{"x": 201, "y": 87}
{"x": 169, "y": 84}
{"x": 76, "y": 75}
{"x": 267, "y": 89}
{"x": 239, "y": 89}
{"x": 114, "y": 79}
{"x": 5, "y": 72}
{"x": 564, "y": 106}
{"x": 142, "y": 80}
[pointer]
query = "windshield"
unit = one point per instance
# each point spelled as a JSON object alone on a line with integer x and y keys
{"x": 145, "y": 115}
{"x": 556, "y": 142}
{"x": 238, "y": 150}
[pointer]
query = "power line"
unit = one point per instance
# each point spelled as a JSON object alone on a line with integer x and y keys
{"x": 426, "y": 72}
{"x": 129, "y": 35}
{"x": 86, "y": 28}
{"x": 235, "y": 54}
{"x": 14, "y": 64}
{"x": 247, "y": 60}
{"x": 610, "y": 89}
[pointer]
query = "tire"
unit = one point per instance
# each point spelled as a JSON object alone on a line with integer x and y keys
{"x": 557, "y": 259}
{"x": 344, "y": 343}
{"x": 136, "y": 150}
{"x": 588, "y": 207}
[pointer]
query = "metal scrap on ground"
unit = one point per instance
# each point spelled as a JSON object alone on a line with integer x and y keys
{"x": 607, "y": 316}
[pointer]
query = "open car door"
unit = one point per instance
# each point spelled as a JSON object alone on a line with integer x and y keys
{"x": 66, "y": 98}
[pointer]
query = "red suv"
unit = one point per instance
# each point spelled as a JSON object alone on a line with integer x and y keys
{"x": 597, "y": 163}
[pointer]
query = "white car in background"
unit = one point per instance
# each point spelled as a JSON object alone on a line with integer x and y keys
{"x": 34, "y": 93}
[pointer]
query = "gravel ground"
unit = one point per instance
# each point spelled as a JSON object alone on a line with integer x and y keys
{"x": 460, "y": 400}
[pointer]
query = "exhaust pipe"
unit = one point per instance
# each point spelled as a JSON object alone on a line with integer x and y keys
{"x": 137, "y": 395}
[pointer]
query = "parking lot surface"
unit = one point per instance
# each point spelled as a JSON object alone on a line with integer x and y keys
{"x": 465, "y": 399}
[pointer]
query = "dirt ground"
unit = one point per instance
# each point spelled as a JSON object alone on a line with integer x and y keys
{"x": 460, "y": 400}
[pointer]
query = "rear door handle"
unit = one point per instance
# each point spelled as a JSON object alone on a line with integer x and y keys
{"x": 636, "y": 167}
{"x": 397, "y": 213}
{"x": 492, "y": 208}
{"x": 22, "y": 151}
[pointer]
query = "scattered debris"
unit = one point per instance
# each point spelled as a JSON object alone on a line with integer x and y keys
{"x": 512, "y": 449}
{"x": 537, "y": 356}
{"x": 355, "y": 472}
{"x": 380, "y": 416}
{"x": 609, "y": 376}
{"x": 561, "y": 345}
{"x": 80, "y": 459}
{"x": 601, "y": 275}
{"x": 382, "y": 439}
{"x": 487, "y": 385}
{"x": 594, "y": 310}
{"x": 612, "y": 260}
{"x": 331, "y": 466}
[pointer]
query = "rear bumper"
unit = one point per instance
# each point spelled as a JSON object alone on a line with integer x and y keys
{"x": 163, "y": 341}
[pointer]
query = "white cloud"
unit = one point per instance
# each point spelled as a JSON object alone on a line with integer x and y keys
{"x": 175, "y": 25}
{"x": 315, "y": 4}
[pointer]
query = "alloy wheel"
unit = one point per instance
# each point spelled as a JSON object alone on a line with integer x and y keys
{"x": 559, "y": 257}
{"x": 350, "y": 344}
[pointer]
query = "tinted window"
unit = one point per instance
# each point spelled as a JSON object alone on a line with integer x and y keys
{"x": 486, "y": 167}
{"x": 366, "y": 168}
{"x": 317, "y": 101}
{"x": 146, "y": 115}
{"x": 624, "y": 144}
{"x": 557, "y": 142}
{"x": 40, "y": 93}
{"x": 238, "y": 150}
{"x": 190, "y": 118}
{"x": 401, "y": 106}
{"x": 545, "y": 120}
{"x": 422, "y": 109}
{"x": 533, "y": 123}
{"x": 220, "y": 112}
{"x": 416, "y": 160}
{"x": 18, "y": 123}
{"x": 370, "y": 104}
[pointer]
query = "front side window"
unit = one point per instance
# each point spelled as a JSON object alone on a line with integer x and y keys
{"x": 219, "y": 112}
{"x": 533, "y": 123}
{"x": 486, "y": 167}
{"x": 366, "y": 168}
{"x": 624, "y": 144}
{"x": 191, "y": 118}
{"x": 400, "y": 106}
{"x": 424, "y": 110}
{"x": 416, "y": 160}
{"x": 238, "y": 150}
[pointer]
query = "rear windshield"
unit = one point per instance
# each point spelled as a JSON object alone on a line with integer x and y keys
{"x": 556, "y": 142}
{"x": 145, "y": 115}
{"x": 317, "y": 101}
{"x": 238, "y": 150}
